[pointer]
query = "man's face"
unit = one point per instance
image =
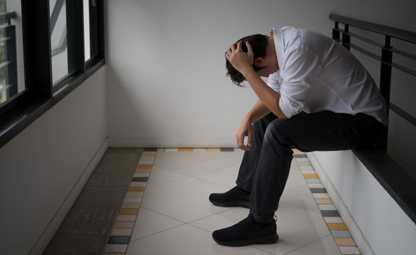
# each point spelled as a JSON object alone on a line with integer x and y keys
{"x": 267, "y": 64}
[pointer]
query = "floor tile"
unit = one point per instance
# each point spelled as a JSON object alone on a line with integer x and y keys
{"x": 338, "y": 226}
{"x": 345, "y": 241}
{"x": 324, "y": 246}
{"x": 221, "y": 220}
{"x": 185, "y": 240}
{"x": 198, "y": 164}
{"x": 343, "y": 233}
{"x": 149, "y": 223}
{"x": 333, "y": 220}
{"x": 225, "y": 176}
{"x": 180, "y": 197}
{"x": 349, "y": 250}
{"x": 296, "y": 228}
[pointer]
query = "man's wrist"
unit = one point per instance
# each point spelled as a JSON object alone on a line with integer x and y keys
{"x": 248, "y": 118}
{"x": 247, "y": 71}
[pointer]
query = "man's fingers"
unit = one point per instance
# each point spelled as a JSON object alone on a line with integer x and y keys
{"x": 249, "y": 49}
{"x": 239, "y": 46}
{"x": 238, "y": 140}
{"x": 228, "y": 54}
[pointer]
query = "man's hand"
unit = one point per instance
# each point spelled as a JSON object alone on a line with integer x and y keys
{"x": 245, "y": 129}
{"x": 242, "y": 61}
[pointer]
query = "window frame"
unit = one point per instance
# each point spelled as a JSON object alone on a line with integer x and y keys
{"x": 40, "y": 93}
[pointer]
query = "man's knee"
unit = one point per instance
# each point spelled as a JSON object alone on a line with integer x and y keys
{"x": 277, "y": 132}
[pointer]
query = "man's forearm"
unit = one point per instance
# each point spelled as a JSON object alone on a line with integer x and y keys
{"x": 267, "y": 96}
{"x": 258, "y": 111}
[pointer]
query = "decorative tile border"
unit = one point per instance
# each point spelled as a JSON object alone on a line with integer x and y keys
{"x": 124, "y": 224}
{"x": 197, "y": 149}
{"x": 329, "y": 213}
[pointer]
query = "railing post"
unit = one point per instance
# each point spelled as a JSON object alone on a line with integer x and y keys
{"x": 385, "y": 73}
{"x": 345, "y": 37}
{"x": 335, "y": 32}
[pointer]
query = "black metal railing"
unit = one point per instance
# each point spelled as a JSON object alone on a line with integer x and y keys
{"x": 8, "y": 64}
{"x": 397, "y": 180}
{"x": 386, "y": 52}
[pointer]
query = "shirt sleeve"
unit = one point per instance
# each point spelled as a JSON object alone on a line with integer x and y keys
{"x": 296, "y": 73}
{"x": 273, "y": 81}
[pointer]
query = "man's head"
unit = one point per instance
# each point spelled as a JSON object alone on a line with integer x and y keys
{"x": 265, "y": 60}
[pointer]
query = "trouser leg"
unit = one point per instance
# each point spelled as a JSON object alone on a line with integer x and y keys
{"x": 308, "y": 132}
{"x": 251, "y": 157}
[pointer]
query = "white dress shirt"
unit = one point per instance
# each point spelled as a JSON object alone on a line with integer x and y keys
{"x": 316, "y": 73}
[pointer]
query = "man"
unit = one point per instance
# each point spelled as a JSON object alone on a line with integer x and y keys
{"x": 317, "y": 97}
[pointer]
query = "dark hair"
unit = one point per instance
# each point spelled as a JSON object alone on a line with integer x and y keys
{"x": 258, "y": 43}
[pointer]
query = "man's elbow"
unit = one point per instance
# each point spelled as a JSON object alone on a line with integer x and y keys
{"x": 277, "y": 111}
{"x": 280, "y": 115}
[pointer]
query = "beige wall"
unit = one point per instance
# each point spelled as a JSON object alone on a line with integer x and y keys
{"x": 42, "y": 166}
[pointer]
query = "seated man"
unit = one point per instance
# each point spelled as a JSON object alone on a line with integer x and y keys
{"x": 317, "y": 97}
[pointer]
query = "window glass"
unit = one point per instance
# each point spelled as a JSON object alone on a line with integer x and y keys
{"x": 87, "y": 34}
{"x": 59, "y": 46}
{"x": 11, "y": 51}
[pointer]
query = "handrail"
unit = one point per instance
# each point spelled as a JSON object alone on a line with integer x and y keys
{"x": 377, "y": 28}
{"x": 375, "y": 43}
{"x": 387, "y": 50}
{"x": 376, "y": 57}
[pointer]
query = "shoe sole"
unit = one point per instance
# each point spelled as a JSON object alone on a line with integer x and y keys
{"x": 263, "y": 240}
{"x": 245, "y": 204}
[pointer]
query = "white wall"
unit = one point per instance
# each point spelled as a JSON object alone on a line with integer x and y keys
{"x": 43, "y": 168}
{"x": 376, "y": 221}
{"x": 166, "y": 72}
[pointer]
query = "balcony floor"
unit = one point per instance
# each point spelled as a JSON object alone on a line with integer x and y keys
{"x": 166, "y": 210}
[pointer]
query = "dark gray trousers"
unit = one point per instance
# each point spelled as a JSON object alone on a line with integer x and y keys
{"x": 265, "y": 168}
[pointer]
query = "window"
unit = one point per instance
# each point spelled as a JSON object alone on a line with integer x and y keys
{"x": 59, "y": 47}
{"x": 11, "y": 75}
{"x": 74, "y": 36}
{"x": 87, "y": 30}
{"x": 93, "y": 31}
{"x": 47, "y": 49}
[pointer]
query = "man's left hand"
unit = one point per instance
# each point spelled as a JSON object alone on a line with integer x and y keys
{"x": 242, "y": 61}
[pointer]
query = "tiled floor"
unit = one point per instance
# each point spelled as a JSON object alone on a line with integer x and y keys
{"x": 175, "y": 216}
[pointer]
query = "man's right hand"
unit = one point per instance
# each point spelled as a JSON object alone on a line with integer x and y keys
{"x": 245, "y": 129}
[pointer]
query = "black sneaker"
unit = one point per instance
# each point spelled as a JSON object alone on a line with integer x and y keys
{"x": 233, "y": 197}
{"x": 247, "y": 232}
